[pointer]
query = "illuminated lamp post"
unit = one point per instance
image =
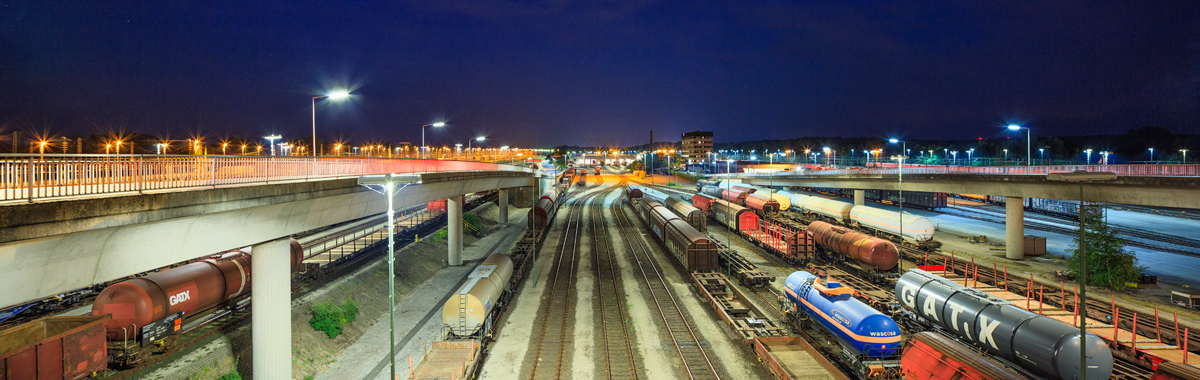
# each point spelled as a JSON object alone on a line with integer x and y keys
{"x": 435, "y": 125}
{"x": 1028, "y": 142}
{"x": 479, "y": 139}
{"x": 271, "y": 141}
{"x": 389, "y": 183}
{"x": 336, "y": 95}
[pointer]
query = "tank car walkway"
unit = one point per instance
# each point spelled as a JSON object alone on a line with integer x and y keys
{"x": 1039, "y": 304}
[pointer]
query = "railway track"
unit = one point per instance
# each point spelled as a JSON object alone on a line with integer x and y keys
{"x": 554, "y": 339}
{"x": 688, "y": 346}
{"x": 1141, "y": 235}
{"x": 619, "y": 362}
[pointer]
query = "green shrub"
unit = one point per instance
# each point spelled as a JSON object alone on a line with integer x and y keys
{"x": 331, "y": 318}
{"x": 232, "y": 376}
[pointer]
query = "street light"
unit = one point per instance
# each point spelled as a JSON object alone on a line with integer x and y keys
{"x": 389, "y": 183}
{"x": 1042, "y": 155}
{"x": 1081, "y": 176}
{"x": 1089, "y": 156}
{"x": 900, "y": 188}
{"x": 336, "y": 95}
{"x": 435, "y": 125}
{"x": 1151, "y": 154}
{"x": 271, "y": 141}
{"x": 1184, "y": 155}
{"x": 479, "y": 139}
{"x": 1028, "y": 143}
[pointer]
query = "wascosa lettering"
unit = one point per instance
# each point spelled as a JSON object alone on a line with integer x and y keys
{"x": 186, "y": 295}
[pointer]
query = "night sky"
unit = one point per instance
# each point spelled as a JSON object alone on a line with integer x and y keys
{"x": 542, "y": 73}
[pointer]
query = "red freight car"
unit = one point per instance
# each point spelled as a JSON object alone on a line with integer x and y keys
{"x": 438, "y": 205}
{"x": 735, "y": 196}
{"x": 795, "y": 246}
{"x": 702, "y": 202}
{"x": 54, "y": 348}
{"x": 930, "y": 355}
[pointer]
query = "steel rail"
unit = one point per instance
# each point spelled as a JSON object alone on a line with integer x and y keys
{"x": 624, "y": 224}
{"x": 609, "y": 294}
{"x": 561, "y": 296}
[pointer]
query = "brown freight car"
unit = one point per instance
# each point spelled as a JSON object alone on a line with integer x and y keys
{"x": 54, "y": 348}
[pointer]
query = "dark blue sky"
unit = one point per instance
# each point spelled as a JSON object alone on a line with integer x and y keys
{"x": 566, "y": 72}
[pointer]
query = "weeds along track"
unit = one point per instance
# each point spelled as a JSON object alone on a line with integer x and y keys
{"x": 696, "y": 362}
{"x": 618, "y": 361}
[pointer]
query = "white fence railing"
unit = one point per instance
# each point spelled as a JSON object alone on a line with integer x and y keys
{"x": 1189, "y": 170}
{"x": 32, "y": 177}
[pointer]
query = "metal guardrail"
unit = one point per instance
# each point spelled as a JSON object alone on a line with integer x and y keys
{"x": 33, "y": 177}
{"x": 1189, "y": 170}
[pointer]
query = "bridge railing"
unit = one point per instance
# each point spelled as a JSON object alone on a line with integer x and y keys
{"x": 32, "y": 177}
{"x": 1191, "y": 170}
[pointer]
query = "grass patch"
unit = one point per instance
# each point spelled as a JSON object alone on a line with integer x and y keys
{"x": 331, "y": 318}
{"x": 231, "y": 376}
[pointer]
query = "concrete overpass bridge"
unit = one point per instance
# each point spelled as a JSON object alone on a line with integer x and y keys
{"x": 1149, "y": 185}
{"x": 71, "y": 221}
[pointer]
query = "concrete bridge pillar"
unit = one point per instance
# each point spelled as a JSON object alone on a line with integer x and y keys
{"x": 859, "y": 197}
{"x": 454, "y": 227}
{"x": 271, "y": 290}
{"x": 503, "y": 206}
{"x": 1014, "y": 228}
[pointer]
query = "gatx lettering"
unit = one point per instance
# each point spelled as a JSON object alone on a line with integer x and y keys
{"x": 186, "y": 295}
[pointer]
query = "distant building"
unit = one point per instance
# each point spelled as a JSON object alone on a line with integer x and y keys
{"x": 696, "y": 146}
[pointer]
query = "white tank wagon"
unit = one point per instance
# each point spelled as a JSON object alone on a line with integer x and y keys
{"x": 836, "y": 210}
{"x": 916, "y": 228}
{"x": 776, "y": 195}
{"x": 471, "y": 311}
{"x": 794, "y": 198}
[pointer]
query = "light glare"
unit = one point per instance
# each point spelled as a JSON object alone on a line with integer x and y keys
{"x": 338, "y": 95}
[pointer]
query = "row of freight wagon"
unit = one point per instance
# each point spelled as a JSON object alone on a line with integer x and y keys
{"x": 1053, "y": 207}
{"x": 914, "y": 199}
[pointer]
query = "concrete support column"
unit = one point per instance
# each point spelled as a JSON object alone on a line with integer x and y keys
{"x": 503, "y": 206}
{"x": 271, "y": 311}
{"x": 1014, "y": 228}
{"x": 454, "y": 227}
{"x": 859, "y": 197}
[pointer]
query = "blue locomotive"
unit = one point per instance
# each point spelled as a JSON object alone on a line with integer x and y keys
{"x": 871, "y": 340}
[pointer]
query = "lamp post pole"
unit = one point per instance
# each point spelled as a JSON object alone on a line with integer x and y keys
{"x": 423, "y": 147}
{"x": 336, "y": 95}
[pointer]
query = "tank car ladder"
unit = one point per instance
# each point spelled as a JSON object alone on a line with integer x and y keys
{"x": 462, "y": 313}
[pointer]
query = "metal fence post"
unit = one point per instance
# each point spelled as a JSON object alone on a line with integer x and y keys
{"x": 140, "y": 177}
{"x": 29, "y": 178}
{"x": 213, "y": 171}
